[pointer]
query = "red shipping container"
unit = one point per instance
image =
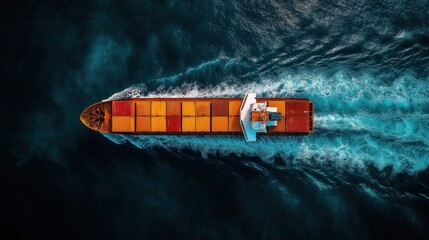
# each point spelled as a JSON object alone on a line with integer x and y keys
{"x": 123, "y": 108}
{"x": 174, "y": 123}
{"x": 297, "y": 108}
{"x": 220, "y": 108}
{"x": 297, "y": 124}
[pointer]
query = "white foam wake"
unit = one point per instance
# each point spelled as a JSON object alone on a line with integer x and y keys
{"x": 359, "y": 120}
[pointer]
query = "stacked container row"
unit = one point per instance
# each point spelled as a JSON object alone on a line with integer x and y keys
{"x": 234, "y": 116}
{"x": 217, "y": 115}
{"x": 123, "y": 116}
{"x": 202, "y": 119}
{"x": 220, "y": 115}
{"x": 143, "y": 116}
{"x": 174, "y": 121}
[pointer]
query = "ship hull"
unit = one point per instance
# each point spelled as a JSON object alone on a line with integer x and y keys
{"x": 193, "y": 116}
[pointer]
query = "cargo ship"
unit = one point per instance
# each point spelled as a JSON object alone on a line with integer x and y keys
{"x": 248, "y": 116}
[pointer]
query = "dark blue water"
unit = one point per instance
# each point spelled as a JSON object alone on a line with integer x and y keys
{"x": 363, "y": 174}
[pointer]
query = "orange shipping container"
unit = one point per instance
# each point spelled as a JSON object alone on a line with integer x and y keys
{"x": 142, "y": 124}
{"x": 122, "y": 124}
{"x": 280, "y": 106}
{"x": 143, "y": 108}
{"x": 219, "y": 124}
{"x": 158, "y": 108}
{"x": 202, "y": 108}
{"x": 188, "y": 108}
{"x": 234, "y": 124}
{"x": 158, "y": 124}
{"x": 188, "y": 124}
{"x": 173, "y": 108}
{"x": 202, "y": 124}
{"x": 280, "y": 126}
{"x": 234, "y": 108}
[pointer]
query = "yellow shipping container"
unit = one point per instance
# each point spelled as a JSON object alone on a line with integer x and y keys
{"x": 219, "y": 124}
{"x": 188, "y": 108}
{"x": 143, "y": 108}
{"x": 142, "y": 124}
{"x": 158, "y": 108}
{"x": 188, "y": 124}
{"x": 202, "y": 124}
{"x": 234, "y": 108}
{"x": 158, "y": 124}
{"x": 122, "y": 123}
{"x": 234, "y": 124}
{"x": 202, "y": 108}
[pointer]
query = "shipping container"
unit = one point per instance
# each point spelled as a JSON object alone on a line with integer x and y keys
{"x": 123, "y": 108}
{"x": 188, "y": 124}
{"x": 234, "y": 107}
{"x": 143, "y": 108}
{"x": 297, "y": 124}
{"x": 123, "y": 124}
{"x": 142, "y": 123}
{"x": 174, "y": 123}
{"x": 202, "y": 108}
{"x": 281, "y": 109}
{"x": 280, "y": 105}
{"x": 234, "y": 124}
{"x": 202, "y": 124}
{"x": 158, "y": 108}
{"x": 208, "y": 116}
{"x": 158, "y": 124}
{"x": 220, "y": 124}
{"x": 297, "y": 108}
{"x": 220, "y": 108}
{"x": 188, "y": 109}
{"x": 174, "y": 108}
{"x": 280, "y": 126}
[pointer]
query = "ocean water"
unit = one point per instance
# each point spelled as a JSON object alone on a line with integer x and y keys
{"x": 362, "y": 174}
{"x": 364, "y": 119}
{"x": 367, "y": 122}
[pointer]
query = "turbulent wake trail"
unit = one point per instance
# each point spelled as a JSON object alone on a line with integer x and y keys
{"x": 360, "y": 120}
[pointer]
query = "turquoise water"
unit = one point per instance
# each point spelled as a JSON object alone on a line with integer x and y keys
{"x": 360, "y": 119}
{"x": 364, "y": 119}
